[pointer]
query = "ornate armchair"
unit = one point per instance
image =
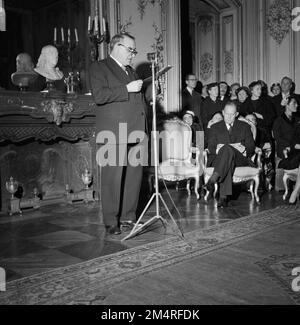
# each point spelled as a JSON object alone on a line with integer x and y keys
{"x": 179, "y": 161}
{"x": 288, "y": 175}
{"x": 241, "y": 174}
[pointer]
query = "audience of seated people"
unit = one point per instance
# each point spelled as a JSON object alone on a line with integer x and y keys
{"x": 287, "y": 136}
{"x": 258, "y": 119}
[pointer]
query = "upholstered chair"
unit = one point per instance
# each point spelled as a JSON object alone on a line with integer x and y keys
{"x": 241, "y": 175}
{"x": 180, "y": 161}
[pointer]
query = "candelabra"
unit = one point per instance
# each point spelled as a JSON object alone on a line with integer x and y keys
{"x": 96, "y": 38}
{"x": 66, "y": 50}
{"x": 72, "y": 81}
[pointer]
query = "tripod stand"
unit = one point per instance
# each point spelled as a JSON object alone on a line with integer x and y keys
{"x": 157, "y": 196}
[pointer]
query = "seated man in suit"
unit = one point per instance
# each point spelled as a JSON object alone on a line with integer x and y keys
{"x": 230, "y": 145}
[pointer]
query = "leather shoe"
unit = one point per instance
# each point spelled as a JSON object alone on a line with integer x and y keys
{"x": 129, "y": 225}
{"x": 113, "y": 230}
{"x": 223, "y": 203}
{"x": 209, "y": 186}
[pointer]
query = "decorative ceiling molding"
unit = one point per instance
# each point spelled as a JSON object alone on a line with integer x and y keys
{"x": 221, "y": 4}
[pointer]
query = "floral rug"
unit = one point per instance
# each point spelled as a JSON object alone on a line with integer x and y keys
{"x": 83, "y": 283}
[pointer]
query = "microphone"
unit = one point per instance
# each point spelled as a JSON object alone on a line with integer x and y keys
{"x": 152, "y": 57}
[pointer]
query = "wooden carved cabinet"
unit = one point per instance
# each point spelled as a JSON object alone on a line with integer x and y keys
{"x": 46, "y": 143}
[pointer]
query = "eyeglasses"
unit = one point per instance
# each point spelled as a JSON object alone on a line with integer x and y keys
{"x": 130, "y": 49}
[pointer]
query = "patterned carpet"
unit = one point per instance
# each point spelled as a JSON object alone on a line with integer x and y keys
{"x": 83, "y": 283}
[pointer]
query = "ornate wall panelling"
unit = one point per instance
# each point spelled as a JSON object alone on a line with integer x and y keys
{"x": 207, "y": 48}
{"x": 229, "y": 65}
{"x": 281, "y": 41}
{"x": 42, "y": 151}
{"x": 270, "y": 47}
{"x": 251, "y": 41}
{"x": 156, "y": 26}
{"x": 296, "y": 35}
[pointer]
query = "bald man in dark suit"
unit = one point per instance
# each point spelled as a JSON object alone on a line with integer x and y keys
{"x": 230, "y": 145}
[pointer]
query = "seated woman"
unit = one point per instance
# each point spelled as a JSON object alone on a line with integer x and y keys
{"x": 261, "y": 136}
{"x": 287, "y": 136}
{"x": 233, "y": 89}
{"x": 217, "y": 117}
{"x": 47, "y": 62}
{"x": 275, "y": 89}
{"x": 243, "y": 101}
{"x": 189, "y": 118}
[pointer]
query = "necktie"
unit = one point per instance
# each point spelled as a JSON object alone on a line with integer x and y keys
{"x": 230, "y": 129}
{"x": 125, "y": 69}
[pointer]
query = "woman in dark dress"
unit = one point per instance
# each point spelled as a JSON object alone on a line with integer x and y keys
{"x": 287, "y": 135}
{"x": 243, "y": 101}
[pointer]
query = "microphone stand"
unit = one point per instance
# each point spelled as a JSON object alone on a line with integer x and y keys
{"x": 138, "y": 227}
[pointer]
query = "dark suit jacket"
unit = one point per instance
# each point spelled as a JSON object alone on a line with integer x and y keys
{"x": 241, "y": 133}
{"x": 286, "y": 133}
{"x": 266, "y": 108}
{"x": 245, "y": 108}
{"x": 209, "y": 109}
{"x": 114, "y": 104}
{"x": 280, "y": 109}
{"x": 193, "y": 102}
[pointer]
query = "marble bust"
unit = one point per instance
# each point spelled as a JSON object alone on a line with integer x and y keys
{"x": 25, "y": 73}
{"x": 47, "y": 62}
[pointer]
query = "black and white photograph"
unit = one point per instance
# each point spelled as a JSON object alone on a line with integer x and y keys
{"x": 150, "y": 156}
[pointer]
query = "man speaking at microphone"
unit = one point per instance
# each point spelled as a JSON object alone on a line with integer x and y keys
{"x": 117, "y": 91}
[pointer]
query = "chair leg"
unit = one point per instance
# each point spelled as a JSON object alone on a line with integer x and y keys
{"x": 197, "y": 183}
{"x": 256, "y": 181}
{"x": 286, "y": 188}
{"x": 188, "y": 187}
{"x": 252, "y": 189}
{"x": 216, "y": 190}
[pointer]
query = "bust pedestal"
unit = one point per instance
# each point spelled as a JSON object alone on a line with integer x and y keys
{"x": 23, "y": 79}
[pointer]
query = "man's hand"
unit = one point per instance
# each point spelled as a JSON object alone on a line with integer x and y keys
{"x": 135, "y": 86}
{"x": 284, "y": 101}
{"x": 219, "y": 147}
{"x": 259, "y": 116}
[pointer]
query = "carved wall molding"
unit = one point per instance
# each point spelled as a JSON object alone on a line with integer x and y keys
{"x": 228, "y": 62}
{"x": 142, "y": 6}
{"x": 228, "y": 20}
{"x": 57, "y": 110}
{"x": 279, "y": 20}
{"x": 17, "y": 134}
{"x": 205, "y": 24}
{"x": 206, "y": 66}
